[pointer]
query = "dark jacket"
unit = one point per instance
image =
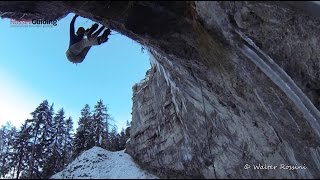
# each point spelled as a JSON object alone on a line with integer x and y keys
{"x": 73, "y": 37}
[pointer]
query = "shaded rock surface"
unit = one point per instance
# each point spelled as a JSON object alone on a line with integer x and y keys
{"x": 206, "y": 109}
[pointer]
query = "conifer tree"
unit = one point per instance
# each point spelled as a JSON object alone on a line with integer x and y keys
{"x": 7, "y": 133}
{"x": 127, "y": 130}
{"x": 3, "y": 146}
{"x": 83, "y": 139}
{"x": 59, "y": 133}
{"x": 21, "y": 150}
{"x": 99, "y": 122}
{"x": 41, "y": 147}
{"x": 114, "y": 139}
{"x": 68, "y": 146}
{"x": 53, "y": 163}
{"x": 40, "y": 124}
{"x": 122, "y": 140}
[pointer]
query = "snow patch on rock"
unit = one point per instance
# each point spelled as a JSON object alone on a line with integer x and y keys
{"x": 98, "y": 163}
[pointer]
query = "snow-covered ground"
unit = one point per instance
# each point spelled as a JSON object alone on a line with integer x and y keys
{"x": 98, "y": 163}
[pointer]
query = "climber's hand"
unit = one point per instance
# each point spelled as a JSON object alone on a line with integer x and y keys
{"x": 109, "y": 31}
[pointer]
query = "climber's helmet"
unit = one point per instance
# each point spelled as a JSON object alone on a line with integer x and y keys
{"x": 81, "y": 31}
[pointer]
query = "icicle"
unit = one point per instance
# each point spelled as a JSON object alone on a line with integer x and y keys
{"x": 173, "y": 88}
{"x": 283, "y": 81}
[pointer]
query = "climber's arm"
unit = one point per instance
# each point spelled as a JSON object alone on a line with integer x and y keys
{"x": 72, "y": 33}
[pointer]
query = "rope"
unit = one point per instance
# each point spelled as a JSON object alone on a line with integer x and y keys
{"x": 206, "y": 121}
{"x": 83, "y": 4}
{"x": 81, "y": 9}
{"x": 114, "y": 34}
{"x": 205, "y": 118}
{"x": 130, "y": 4}
{"x": 85, "y": 22}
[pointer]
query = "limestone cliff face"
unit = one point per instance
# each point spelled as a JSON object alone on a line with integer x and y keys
{"x": 232, "y": 84}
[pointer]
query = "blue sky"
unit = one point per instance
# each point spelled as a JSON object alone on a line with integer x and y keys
{"x": 33, "y": 67}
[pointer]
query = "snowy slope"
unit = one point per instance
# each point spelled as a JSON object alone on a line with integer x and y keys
{"x": 98, "y": 163}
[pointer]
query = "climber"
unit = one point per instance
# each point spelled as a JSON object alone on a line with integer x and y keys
{"x": 80, "y": 46}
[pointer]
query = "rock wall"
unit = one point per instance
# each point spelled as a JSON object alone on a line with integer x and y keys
{"x": 229, "y": 114}
{"x": 206, "y": 108}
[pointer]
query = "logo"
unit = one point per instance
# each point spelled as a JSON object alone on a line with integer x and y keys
{"x": 33, "y": 23}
